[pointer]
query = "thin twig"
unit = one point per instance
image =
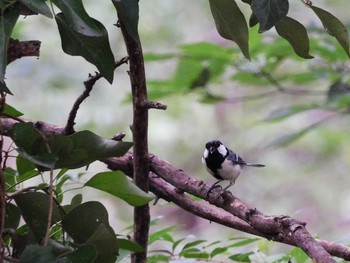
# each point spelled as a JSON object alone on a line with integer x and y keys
{"x": 88, "y": 84}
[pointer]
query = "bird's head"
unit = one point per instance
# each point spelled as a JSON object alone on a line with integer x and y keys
{"x": 215, "y": 146}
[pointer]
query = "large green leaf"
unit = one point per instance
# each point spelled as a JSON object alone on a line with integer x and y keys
{"x": 82, "y": 221}
{"x": 8, "y": 19}
{"x": 34, "y": 207}
{"x": 334, "y": 27}
{"x": 12, "y": 216}
{"x": 105, "y": 242}
{"x": 37, "y": 254}
{"x": 187, "y": 71}
{"x": 84, "y": 254}
{"x": 295, "y": 33}
{"x": 269, "y": 12}
{"x": 128, "y": 14}
{"x": 129, "y": 245}
{"x": 73, "y": 151}
{"x": 81, "y": 35}
{"x": 117, "y": 184}
{"x": 230, "y": 23}
{"x": 38, "y": 6}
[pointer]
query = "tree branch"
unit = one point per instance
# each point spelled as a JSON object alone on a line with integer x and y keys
{"x": 18, "y": 49}
{"x": 235, "y": 214}
{"x": 140, "y": 138}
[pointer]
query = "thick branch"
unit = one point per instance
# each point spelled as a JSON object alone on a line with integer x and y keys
{"x": 283, "y": 229}
{"x": 278, "y": 228}
{"x": 140, "y": 139}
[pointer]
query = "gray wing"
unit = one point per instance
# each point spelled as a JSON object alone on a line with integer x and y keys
{"x": 236, "y": 159}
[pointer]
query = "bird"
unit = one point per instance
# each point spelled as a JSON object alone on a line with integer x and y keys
{"x": 223, "y": 163}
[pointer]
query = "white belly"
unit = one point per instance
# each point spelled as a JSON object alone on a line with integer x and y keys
{"x": 229, "y": 171}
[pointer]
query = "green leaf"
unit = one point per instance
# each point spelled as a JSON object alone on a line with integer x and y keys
{"x": 23, "y": 165}
{"x": 84, "y": 254}
{"x": 214, "y": 59}
{"x": 148, "y": 57}
{"x": 250, "y": 78}
{"x": 46, "y": 160}
{"x": 158, "y": 235}
{"x": 37, "y": 254}
{"x": 218, "y": 251}
{"x": 244, "y": 242}
{"x": 129, "y": 245}
{"x": 241, "y": 257}
{"x": 11, "y": 111}
{"x": 57, "y": 247}
{"x": 106, "y": 244}
{"x": 187, "y": 71}
{"x": 176, "y": 243}
{"x": 3, "y": 87}
{"x": 13, "y": 179}
{"x": 269, "y": 12}
{"x": 158, "y": 258}
{"x": 34, "y": 208}
{"x": 73, "y": 151}
{"x": 76, "y": 201}
{"x": 194, "y": 253}
{"x": 117, "y": 184}
{"x": 230, "y": 23}
{"x": 193, "y": 244}
{"x": 83, "y": 220}
{"x": 298, "y": 255}
{"x": 334, "y": 27}
{"x": 295, "y": 33}
{"x": 84, "y": 36}
{"x": 128, "y": 14}
{"x": 58, "y": 187}
{"x": 8, "y": 19}
{"x": 12, "y": 216}
{"x": 253, "y": 20}
{"x": 38, "y": 6}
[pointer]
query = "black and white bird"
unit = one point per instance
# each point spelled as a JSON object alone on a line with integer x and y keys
{"x": 223, "y": 163}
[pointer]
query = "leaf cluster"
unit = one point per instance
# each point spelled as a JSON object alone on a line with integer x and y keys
{"x": 231, "y": 24}
{"x": 249, "y": 249}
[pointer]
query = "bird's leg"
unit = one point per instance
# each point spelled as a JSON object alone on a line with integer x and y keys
{"x": 232, "y": 182}
{"x": 213, "y": 186}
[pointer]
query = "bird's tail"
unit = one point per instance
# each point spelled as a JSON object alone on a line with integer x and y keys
{"x": 255, "y": 165}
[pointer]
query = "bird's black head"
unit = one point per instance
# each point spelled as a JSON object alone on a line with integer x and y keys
{"x": 212, "y": 146}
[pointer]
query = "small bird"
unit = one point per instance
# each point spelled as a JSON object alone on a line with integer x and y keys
{"x": 223, "y": 163}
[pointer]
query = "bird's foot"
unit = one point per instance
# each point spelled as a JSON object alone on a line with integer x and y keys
{"x": 212, "y": 188}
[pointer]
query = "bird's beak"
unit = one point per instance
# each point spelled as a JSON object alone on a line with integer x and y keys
{"x": 212, "y": 149}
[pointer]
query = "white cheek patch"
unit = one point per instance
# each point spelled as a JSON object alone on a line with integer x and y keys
{"x": 222, "y": 150}
{"x": 205, "y": 154}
